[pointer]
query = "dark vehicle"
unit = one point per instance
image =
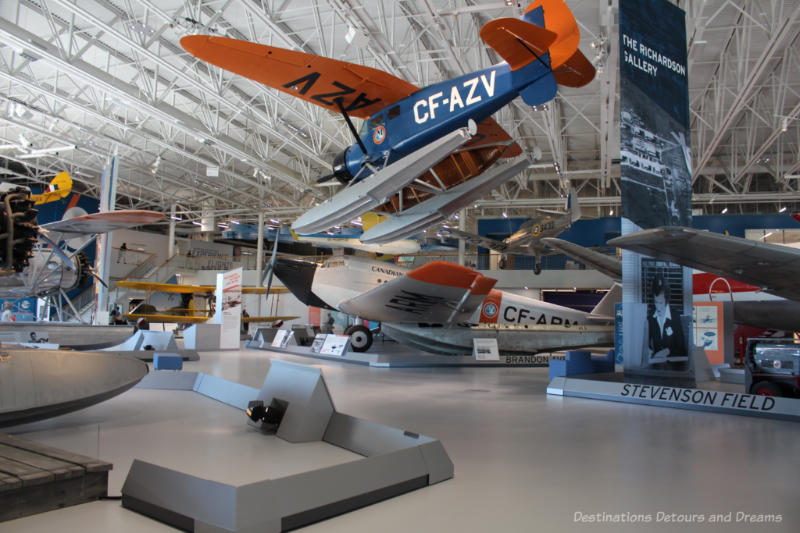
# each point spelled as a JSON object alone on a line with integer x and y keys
{"x": 772, "y": 367}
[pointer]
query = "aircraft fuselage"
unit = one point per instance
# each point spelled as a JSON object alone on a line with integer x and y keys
{"x": 342, "y": 278}
{"x": 438, "y": 109}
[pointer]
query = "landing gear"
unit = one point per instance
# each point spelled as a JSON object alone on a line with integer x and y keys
{"x": 537, "y": 268}
{"x": 360, "y": 338}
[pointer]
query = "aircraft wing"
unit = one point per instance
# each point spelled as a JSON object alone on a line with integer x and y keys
{"x": 770, "y": 266}
{"x": 104, "y": 222}
{"x": 320, "y": 80}
{"x": 315, "y": 79}
{"x": 438, "y": 292}
{"x": 607, "y": 264}
{"x": 190, "y": 289}
{"x": 477, "y": 240}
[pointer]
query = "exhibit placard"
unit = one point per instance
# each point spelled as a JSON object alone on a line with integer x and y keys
{"x": 319, "y": 341}
{"x": 485, "y": 349}
{"x": 281, "y": 339}
{"x": 335, "y": 344}
{"x": 656, "y": 185}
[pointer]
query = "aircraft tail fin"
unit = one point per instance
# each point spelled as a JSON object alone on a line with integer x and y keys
{"x": 517, "y": 41}
{"x": 370, "y": 219}
{"x": 60, "y": 186}
{"x": 573, "y": 207}
{"x": 605, "y": 308}
{"x": 548, "y": 32}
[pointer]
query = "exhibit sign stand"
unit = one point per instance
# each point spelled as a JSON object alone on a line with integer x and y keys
{"x": 283, "y": 338}
{"x": 229, "y": 308}
{"x": 485, "y": 349}
{"x": 335, "y": 344}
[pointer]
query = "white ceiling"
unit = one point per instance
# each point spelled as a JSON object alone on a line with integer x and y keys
{"x": 110, "y": 76}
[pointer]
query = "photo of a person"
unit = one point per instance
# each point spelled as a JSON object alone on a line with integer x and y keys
{"x": 664, "y": 330}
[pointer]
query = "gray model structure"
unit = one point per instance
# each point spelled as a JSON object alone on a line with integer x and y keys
{"x": 68, "y": 334}
{"x": 144, "y": 344}
{"x": 394, "y": 461}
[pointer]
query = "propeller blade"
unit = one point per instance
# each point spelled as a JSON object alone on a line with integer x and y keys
{"x": 323, "y": 179}
{"x": 270, "y": 266}
{"x": 58, "y": 251}
{"x": 98, "y": 278}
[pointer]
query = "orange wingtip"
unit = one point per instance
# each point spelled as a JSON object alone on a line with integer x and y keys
{"x": 445, "y": 274}
{"x": 482, "y": 286}
{"x": 576, "y": 71}
{"x": 514, "y": 39}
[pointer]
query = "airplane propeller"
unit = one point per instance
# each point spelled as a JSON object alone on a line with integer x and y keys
{"x": 340, "y": 171}
{"x": 269, "y": 268}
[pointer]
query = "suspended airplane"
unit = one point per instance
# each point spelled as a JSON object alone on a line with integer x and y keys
{"x": 527, "y": 240}
{"x": 186, "y": 312}
{"x": 421, "y": 153}
{"x": 756, "y": 277}
{"x": 440, "y": 296}
{"x": 32, "y": 260}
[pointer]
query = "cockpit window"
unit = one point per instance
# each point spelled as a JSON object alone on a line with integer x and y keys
{"x": 393, "y": 113}
{"x": 376, "y": 121}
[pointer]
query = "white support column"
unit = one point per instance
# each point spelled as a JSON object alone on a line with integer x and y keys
{"x": 108, "y": 194}
{"x": 171, "y": 243}
{"x": 260, "y": 245}
{"x": 462, "y": 225}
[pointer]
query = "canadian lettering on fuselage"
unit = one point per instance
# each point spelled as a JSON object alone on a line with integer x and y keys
{"x": 389, "y": 272}
{"x": 460, "y": 97}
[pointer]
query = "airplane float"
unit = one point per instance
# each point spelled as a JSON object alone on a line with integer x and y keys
{"x": 344, "y": 238}
{"x": 527, "y": 240}
{"x": 440, "y": 307}
{"x": 421, "y": 154}
{"x": 32, "y": 262}
{"x": 407, "y": 246}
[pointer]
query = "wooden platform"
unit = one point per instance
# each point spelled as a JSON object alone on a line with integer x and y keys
{"x": 35, "y": 478}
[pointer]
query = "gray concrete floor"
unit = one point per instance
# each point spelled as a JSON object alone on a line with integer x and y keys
{"x": 524, "y": 461}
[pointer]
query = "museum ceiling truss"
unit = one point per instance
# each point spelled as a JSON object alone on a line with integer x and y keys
{"x": 85, "y": 79}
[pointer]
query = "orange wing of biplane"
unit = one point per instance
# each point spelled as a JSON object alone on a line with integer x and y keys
{"x": 316, "y": 79}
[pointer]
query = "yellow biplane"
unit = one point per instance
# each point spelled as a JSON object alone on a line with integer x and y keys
{"x": 191, "y": 314}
